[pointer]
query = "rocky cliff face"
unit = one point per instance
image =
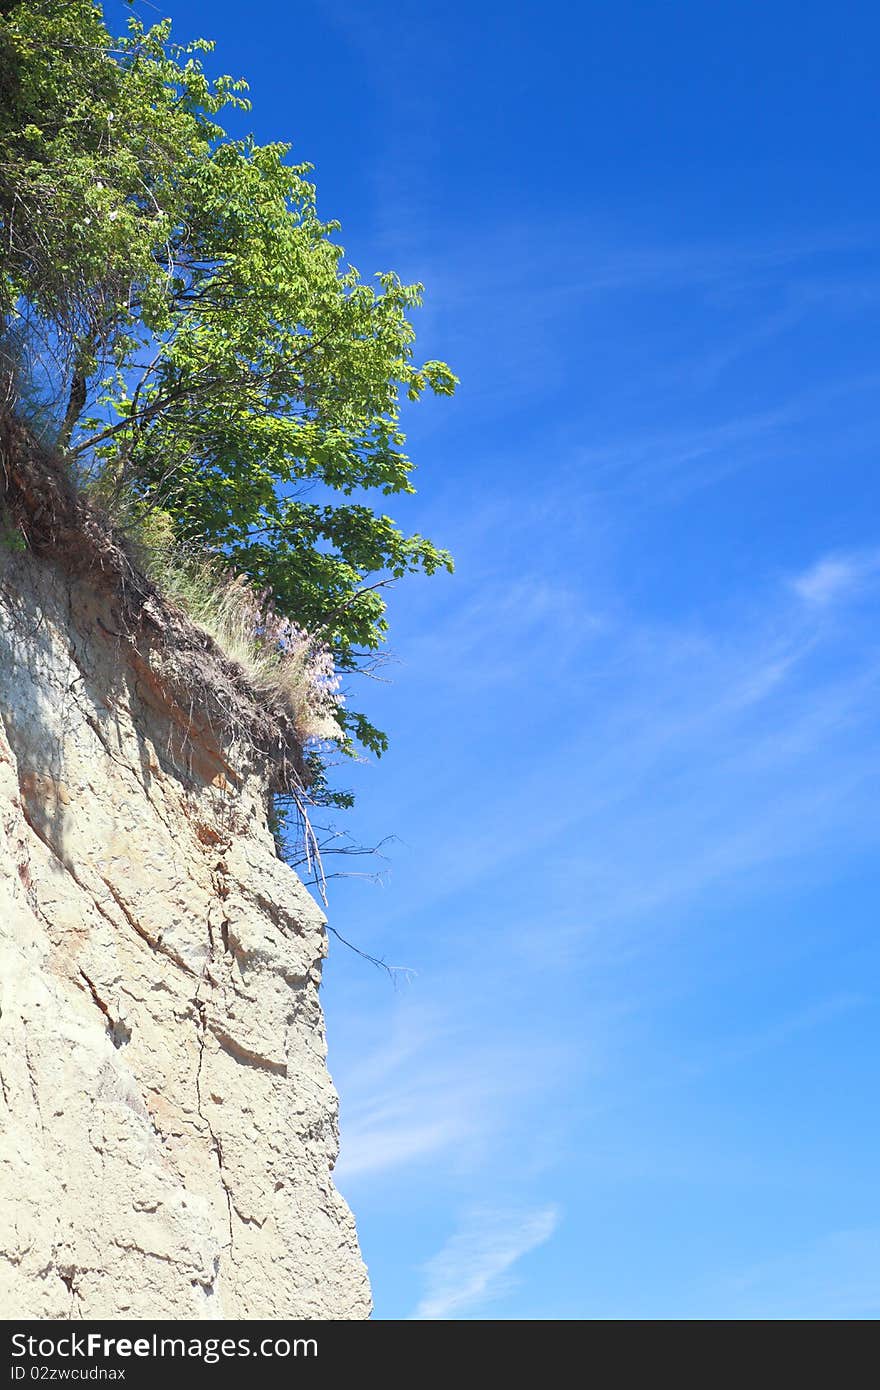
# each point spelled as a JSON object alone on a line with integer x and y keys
{"x": 168, "y": 1123}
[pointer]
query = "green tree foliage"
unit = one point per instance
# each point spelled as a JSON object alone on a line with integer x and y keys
{"x": 219, "y": 357}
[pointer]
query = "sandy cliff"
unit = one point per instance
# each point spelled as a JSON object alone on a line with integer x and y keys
{"x": 168, "y": 1122}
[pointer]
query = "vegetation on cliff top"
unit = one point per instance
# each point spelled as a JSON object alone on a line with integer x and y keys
{"x": 204, "y": 352}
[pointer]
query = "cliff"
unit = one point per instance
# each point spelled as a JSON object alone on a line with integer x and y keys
{"x": 168, "y": 1122}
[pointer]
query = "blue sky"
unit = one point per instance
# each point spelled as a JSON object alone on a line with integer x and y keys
{"x": 635, "y": 740}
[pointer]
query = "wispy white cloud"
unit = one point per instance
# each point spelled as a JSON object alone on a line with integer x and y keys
{"x": 438, "y": 1091}
{"x": 498, "y": 299}
{"x": 506, "y": 257}
{"x": 474, "y": 1265}
{"x": 386, "y": 1138}
{"x": 659, "y": 466}
{"x": 695, "y": 751}
{"x": 402, "y": 1105}
{"x": 836, "y": 577}
{"x": 664, "y": 465}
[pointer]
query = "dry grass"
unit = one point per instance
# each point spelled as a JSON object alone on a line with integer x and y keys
{"x": 282, "y": 664}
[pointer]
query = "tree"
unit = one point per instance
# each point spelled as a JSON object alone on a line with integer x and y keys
{"x": 220, "y": 360}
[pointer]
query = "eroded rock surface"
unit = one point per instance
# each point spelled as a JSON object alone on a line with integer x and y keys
{"x": 168, "y": 1122}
